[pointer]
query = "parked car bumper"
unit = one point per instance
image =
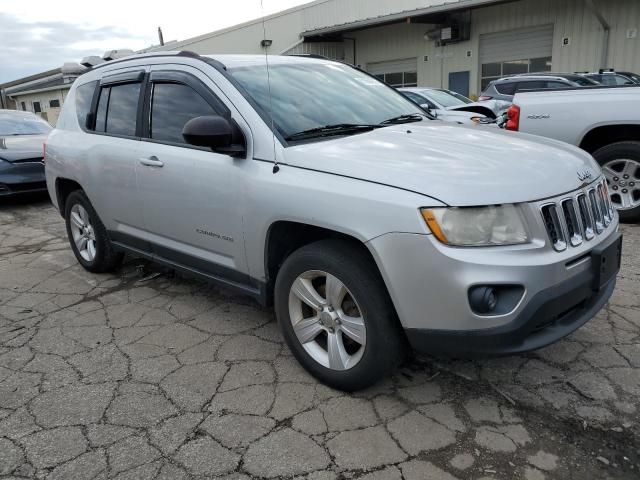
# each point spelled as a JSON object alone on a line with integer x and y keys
{"x": 550, "y": 294}
{"x": 19, "y": 178}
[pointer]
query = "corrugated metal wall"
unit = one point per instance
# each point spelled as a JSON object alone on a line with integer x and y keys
{"x": 571, "y": 18}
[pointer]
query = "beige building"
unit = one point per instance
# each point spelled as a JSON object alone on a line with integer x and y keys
{"x": 458, "y": 44}
{"x": 42, "y": 94}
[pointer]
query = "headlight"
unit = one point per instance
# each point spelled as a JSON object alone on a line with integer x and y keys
{"x": 477, "y": 226}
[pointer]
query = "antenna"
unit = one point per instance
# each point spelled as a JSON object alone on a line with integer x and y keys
{"x": 265, "y": 43}
{"x": 160, "y": 37}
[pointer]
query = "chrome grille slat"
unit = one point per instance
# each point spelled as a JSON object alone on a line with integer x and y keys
{"x": 573, "y": 220}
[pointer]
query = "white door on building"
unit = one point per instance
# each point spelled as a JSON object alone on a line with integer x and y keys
{"x": 397, "y": 73}
{"x": 526, "y": 50}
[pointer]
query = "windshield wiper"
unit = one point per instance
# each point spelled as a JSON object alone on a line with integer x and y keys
{"x": 337, "y": 129}
{"x": 406, "y": 118}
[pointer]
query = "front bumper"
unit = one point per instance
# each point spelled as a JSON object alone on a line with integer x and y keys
{"x": 551, "y": 315}
{"x": 21, "y": 177}
{"x": 429, "y": 284}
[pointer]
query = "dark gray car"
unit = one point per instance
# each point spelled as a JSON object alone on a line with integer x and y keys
{"x": 504, "y": 89}
{"x": 22, "y": 135}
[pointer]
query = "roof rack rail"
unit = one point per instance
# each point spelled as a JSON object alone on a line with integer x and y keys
{"x": 308, "y": 55}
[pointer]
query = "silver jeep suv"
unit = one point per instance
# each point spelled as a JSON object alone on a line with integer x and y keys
{"x": 369, "y": 226}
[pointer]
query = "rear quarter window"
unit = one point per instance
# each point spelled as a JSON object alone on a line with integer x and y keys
{"x": 508, "y": 88}
{"x": 84, "y": 96}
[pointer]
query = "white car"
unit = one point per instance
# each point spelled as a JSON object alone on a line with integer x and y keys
{"x": 604, "y": 121}
{"x": 451, "y": 106}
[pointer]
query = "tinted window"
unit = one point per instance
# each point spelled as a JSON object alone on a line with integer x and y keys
{"x": 84, "y": 95}
{"x": 531, "y": 85}
{"x": 101, "y": 114}
{"x": 556, "y": 85}
{"x": 123, "y": 109}
{"x": 172, "y": 107}
{"x": 508, "y": 88}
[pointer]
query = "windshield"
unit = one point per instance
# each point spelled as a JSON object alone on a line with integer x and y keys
{"x": 446, "y": 98}
{"x": 13, "y": 124}
{"x": 311, "y": 95}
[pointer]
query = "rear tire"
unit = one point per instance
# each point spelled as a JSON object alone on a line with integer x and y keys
{"x": 346, "y": 285}
{"x": 88, "y": 236}
{"x": 620, "y": 163}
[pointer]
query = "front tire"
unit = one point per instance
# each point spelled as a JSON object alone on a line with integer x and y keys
{"x": 336, "y": 315}
{"x": 88, "y": 236}
{"x": 620, "y": 164}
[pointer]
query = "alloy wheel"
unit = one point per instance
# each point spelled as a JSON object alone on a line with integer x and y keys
{"x": 623, "y": 179}
{"x": 83, "y": 233}
{"x": 327, "y": 320}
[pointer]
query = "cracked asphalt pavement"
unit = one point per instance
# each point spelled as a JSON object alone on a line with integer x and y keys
{"x": 142, "y": 375}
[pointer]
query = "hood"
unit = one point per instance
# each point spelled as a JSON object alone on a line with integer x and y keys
{"x": 15, "y": 148}
{"x": 460, "y": 166}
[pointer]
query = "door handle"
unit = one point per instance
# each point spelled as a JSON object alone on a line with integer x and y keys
{"x": 152, "y": 162}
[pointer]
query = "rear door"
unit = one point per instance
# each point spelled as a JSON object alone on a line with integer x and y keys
{"x": 111, "y": 159}
{"x": 191, "y": 196}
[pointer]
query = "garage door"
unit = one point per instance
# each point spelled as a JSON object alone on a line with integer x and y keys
{"x": 525, "y": 50}
{"x": 397, "y": 73}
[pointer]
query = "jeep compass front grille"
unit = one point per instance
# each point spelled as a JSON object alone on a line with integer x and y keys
{"x": 578, "y": 218}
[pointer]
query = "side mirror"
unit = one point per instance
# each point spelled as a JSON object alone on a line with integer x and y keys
{"x": 214, "y": 132}
{"x": 427, "y": 108}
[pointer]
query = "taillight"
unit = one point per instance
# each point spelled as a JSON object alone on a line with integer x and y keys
{"x": 513, "y": 118}
{"x": 484, "y": 98}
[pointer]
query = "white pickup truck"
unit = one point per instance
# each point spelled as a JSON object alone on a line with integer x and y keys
{"x": 603, "y": 121}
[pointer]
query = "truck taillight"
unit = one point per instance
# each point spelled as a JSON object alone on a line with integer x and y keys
{"x": 513, "y": 118}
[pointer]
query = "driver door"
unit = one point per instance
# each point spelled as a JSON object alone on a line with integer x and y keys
{"x": 190, "y": 195}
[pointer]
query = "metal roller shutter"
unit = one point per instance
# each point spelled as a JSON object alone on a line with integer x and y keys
{"x": 518, "y": 44}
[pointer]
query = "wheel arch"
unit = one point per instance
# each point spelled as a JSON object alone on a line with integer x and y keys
{"x": 604, "y": 135}
{"x": 285, "y": 237}
{"x": 64, "y": 187}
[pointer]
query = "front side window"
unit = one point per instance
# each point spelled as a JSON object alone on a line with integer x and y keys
{"x": 118, "y": 109}
{"x": 314, "y": 95}
{"x": 172, "y": 106}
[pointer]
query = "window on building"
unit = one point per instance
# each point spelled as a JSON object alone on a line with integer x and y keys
{"x": 399, "y": 79}
{"x": 54, "y": 103}
{"x": 36, "y": 107}
{"x": 494, "y": 71}
{"x": 173, "y": 105}
{"x": 118, "y": 109}
{"x": 24, "y": 106}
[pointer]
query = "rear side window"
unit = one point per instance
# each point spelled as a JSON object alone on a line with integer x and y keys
{"x": 172, "y": 106}
{"x": 84, "y": 96}
{"x": 118, "y": 109}
{"x": 531, "y": 85}
{"x": 508, "y": 88}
